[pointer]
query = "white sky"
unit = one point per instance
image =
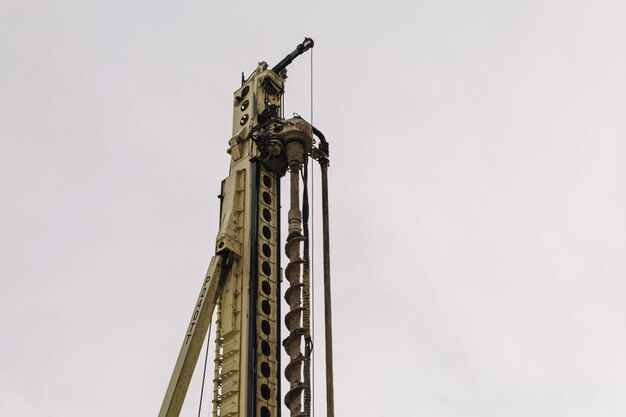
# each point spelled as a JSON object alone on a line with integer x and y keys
{"x": 478, "y": 198}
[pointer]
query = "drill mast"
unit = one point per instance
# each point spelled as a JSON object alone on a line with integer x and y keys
{"x": 242, "y": 284}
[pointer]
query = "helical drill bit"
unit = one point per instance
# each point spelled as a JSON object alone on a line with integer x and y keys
{"x": 293, "y": 294}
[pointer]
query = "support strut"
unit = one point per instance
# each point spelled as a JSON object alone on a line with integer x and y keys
{"x": 328, "y": 315}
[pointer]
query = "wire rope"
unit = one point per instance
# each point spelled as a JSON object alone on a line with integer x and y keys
{"x": 206, "y": 358}
{"x": 312, "y": 253}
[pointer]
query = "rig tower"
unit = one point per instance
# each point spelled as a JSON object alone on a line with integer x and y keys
{"x": 243, "y": 283}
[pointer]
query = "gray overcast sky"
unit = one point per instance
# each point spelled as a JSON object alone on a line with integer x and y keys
{"x": 477, "y": 186}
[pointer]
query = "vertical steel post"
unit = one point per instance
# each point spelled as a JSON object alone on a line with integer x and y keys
{"x": 328, "y": 316}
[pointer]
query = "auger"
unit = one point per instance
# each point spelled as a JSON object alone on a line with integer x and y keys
{"x": 243, "y": 282}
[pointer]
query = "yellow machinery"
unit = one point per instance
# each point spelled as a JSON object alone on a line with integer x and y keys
{"x": 242, "y": 285}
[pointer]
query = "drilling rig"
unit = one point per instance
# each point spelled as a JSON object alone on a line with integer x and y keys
{"x": 242, "y": 287}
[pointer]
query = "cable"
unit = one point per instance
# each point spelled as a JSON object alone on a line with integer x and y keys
{"x": 206, "y": 358}
{"x": 312, "y": 259}
{"x": 306, "y": 289}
